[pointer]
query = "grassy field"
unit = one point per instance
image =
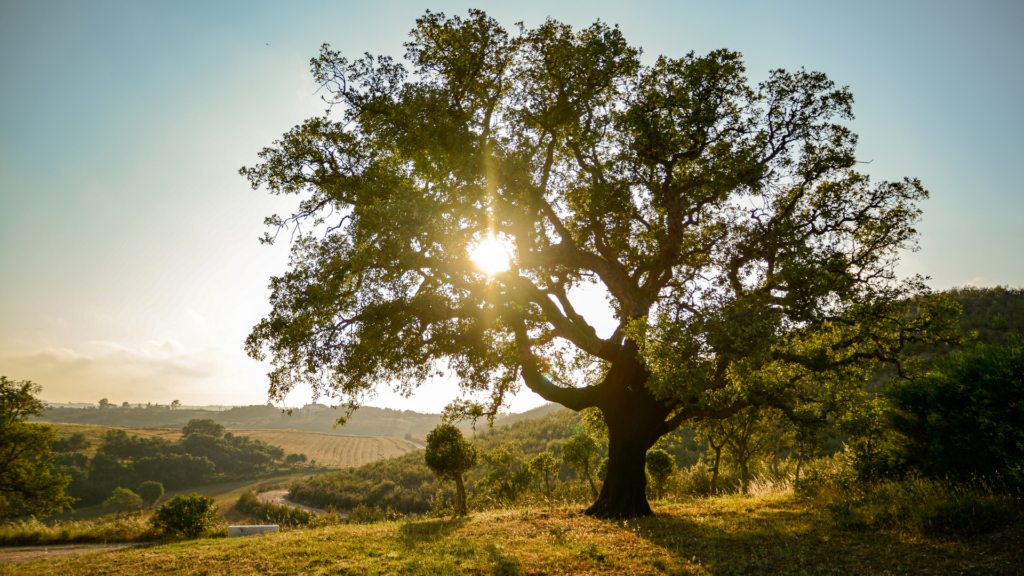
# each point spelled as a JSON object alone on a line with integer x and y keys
{"x": 329, "y": 450}
{"x": 730, "y": 535}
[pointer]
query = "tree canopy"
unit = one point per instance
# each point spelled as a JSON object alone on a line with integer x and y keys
{"x": 453, "y": 206}
{"x": 27, "y": 482}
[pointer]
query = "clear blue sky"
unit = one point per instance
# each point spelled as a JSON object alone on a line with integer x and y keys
{"x": 128, "y": 244}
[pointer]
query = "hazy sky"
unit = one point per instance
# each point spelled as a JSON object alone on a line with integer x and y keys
{"x": 130, "y": 266}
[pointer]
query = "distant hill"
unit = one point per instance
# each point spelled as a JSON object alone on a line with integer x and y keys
{"x": 367, "y": 421}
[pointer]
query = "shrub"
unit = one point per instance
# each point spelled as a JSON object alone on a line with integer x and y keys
{"x": 295, "y": 459}
{"x": 250, "y": 504}
{"x": 971, "y": 403}
{"x": 123, "y": 499}
{"x": 188, "y": 516}
{"x": 150, "y": 492}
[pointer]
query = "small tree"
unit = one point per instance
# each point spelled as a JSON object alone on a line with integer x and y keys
{"x": 122, "y": 499}
{"x": 545, "y": 465}
{"x": 295, "y": 458}
{"x": 449, "y": 456}
{"x": 578, "y": 453}
{"x": 27, "y": 482}
{"x": 150, "y": 491}
{"x": 660, "y": 465}
{"x": 712, "y": 432}
{"x": 104, "y": 403}
{"x": 188, "y": 516}
{"x": 203, "y": 426}
{"x": 125, "y": 405}
{"x": 175, "y": 404}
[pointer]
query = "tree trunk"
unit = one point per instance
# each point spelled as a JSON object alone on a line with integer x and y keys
{"x": 460, "y": 496}
{"x": 636, "y": 419}
{"x": 714, "y": 475}
{"x": 744, "y": 476}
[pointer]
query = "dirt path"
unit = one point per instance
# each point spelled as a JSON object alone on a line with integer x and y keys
{"x": 15, "y": 554}
{"x": 281, "y": 497}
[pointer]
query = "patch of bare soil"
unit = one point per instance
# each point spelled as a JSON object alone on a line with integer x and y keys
{"x": 16, "y": 554}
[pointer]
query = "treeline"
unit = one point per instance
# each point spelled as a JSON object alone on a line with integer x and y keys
{"x": 122, "y": 461}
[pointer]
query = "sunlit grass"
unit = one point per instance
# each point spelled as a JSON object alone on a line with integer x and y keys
{"x": 780, "y": 534}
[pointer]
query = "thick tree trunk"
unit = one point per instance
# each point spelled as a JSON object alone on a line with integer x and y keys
{"x": 635, "y": 422}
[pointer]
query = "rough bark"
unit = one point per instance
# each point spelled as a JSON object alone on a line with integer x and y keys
{"x": 635, "y": 422}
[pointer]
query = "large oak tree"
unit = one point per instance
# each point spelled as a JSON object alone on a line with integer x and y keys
{"x": 746, "y": 261}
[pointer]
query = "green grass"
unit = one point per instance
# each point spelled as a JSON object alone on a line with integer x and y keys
{"x": 729, "y": 535}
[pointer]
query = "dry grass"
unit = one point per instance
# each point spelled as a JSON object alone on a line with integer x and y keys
{"x": 729, "y": 535}
{"x": 95, "y": 433}
{"x": 332, "y": 450}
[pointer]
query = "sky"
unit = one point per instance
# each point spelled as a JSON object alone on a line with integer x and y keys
{"x": 128, "y": 241}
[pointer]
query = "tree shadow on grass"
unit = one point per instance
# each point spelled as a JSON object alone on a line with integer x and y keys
{"x": 426, "y": 531}
{"x": 787, "y": 539}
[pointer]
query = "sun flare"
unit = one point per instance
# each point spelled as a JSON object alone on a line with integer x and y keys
{"x": 490, "y": 256}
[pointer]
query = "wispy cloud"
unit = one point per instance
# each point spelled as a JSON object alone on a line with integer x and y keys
{"x": 156, "y": 371}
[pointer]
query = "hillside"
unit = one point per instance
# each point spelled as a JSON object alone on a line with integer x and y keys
{"x": 367, "y": 421}
{"x": 327, "y": 450}
{"x": 407, "y": 485}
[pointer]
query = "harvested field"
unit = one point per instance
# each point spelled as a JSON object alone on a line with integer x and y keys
{"x": 332, "y": 450}
{"x": 329, "y": 450}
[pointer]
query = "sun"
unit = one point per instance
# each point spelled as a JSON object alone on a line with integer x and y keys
{"x": 490, "y": 256}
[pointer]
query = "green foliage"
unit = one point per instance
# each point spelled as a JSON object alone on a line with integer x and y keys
{"x": 579, "y": 453}
{"x": 150, "y": 492}
{"x": 189, "y": 516}
{"x": 660, "y": 466}
{"x": 249, "y": 503}
{"x": 507, "y": 477}
{"x": 295, "y": 459}
{"x": 28, "y": 483}
{"x": 586, "y": 164}
{"x": 123, "y": 499}
{"x": 449, "y": 456}
{"x": 971, "y": 403}
{"x": 407, "y": 485}
{"x": 544, "y": 465}
{"x": 204, "y": 426}
{"x": 74, "y": 443}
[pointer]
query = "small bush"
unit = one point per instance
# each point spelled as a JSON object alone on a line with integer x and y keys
{"x": 189, "y": 516}
{"x": 150, "y": 492}
{"x": 363, "y": 514}
{"x": 250, "y": 504}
